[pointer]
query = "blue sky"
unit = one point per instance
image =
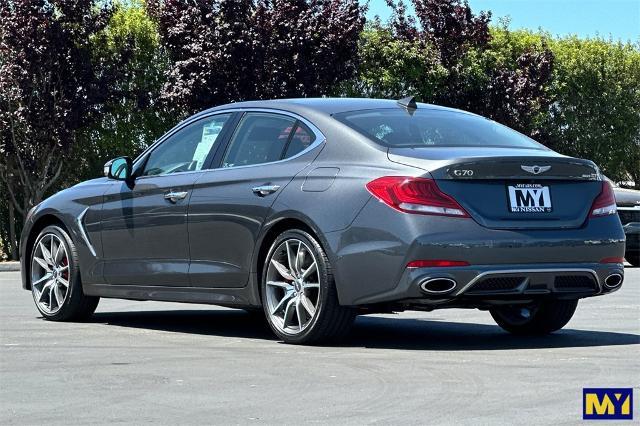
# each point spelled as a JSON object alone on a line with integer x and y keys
{"x": 619, "y": 19}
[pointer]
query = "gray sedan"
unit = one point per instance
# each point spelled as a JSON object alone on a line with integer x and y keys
{"x": 317, "y": 210}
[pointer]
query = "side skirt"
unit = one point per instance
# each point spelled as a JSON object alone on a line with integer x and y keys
{"x": 231, "y": 297}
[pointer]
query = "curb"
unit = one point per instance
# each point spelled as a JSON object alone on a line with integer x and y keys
{"x": 9, "y": 266}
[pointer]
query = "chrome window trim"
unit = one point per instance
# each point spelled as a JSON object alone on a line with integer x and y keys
{"x": 525, "y": 271}
{"x": 320, "y": 138}
{"x": 172, "y": 174}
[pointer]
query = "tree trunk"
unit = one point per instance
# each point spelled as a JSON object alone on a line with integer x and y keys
{"x": 13, "y": 242}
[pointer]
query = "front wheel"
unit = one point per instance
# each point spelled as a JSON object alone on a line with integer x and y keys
{"x": 542, "y": 317}
{"x": 55, "y": 278}
{"x": 299, "y": 295}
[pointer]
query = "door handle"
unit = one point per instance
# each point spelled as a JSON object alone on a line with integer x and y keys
{"x": 265, "y": 190}
{"x": 174, "y": 197}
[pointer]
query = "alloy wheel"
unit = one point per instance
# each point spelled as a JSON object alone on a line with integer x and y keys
{"x": 50, "y": 273}
{"x": 292, "y": 286}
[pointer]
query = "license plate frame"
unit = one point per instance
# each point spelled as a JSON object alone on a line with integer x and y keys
{"x": 529, "y": 198}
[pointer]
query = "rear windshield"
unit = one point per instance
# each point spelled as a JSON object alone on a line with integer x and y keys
{"x": 431, "y": 127}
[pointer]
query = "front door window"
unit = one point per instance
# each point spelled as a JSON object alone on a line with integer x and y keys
{"x": 188, "y": 149}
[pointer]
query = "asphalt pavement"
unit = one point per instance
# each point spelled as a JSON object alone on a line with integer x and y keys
{"x": 168, "y": 363}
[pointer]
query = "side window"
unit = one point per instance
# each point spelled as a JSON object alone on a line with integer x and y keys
{"x": 259, "y": 138}
{"x": 300, "y": 140}
{"x": 187, "y": 149}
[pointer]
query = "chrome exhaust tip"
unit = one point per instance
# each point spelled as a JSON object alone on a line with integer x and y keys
{"x": 613, "y": 281}
{"x": 438, "y": 285}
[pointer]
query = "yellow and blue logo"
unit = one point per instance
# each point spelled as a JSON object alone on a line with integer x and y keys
{"x": 607, "y": 403}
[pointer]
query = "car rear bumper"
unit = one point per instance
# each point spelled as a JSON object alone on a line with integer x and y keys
{"x": 507, "y": 282}
{"x": 371, "y": 258}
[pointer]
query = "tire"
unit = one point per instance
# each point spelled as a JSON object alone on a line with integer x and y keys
{"x": 633, "y": 258}
{"x": 543, "y": 317}
{"x": 47, "y": 279}
{"x": 286, "y": 293}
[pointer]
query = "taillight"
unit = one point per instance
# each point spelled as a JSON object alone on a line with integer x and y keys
{"x": 436, "y": 263}
{"x": 415, "y": 195}
{"x": 605, "y": 203}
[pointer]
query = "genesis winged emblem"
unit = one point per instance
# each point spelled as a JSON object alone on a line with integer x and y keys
{"x": 536, "y": 170}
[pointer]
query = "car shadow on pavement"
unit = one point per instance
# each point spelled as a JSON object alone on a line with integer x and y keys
{"x": 226, "y": 323}
{"x": 369, "y": 332}
{"x": 418, "y": 334}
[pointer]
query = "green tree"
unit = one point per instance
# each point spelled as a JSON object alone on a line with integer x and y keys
{"x": 393, "y": 67}
{"x": 49, "y": 88}
{"x": 454, "y": 48}
{"x": 231, "y": 50}
{"x": 520, "y": 67}
{"x": 133, "y": 117}
{"x": 596, "y": 108}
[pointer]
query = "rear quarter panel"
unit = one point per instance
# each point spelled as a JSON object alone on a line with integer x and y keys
{"x": 330, "y": 193}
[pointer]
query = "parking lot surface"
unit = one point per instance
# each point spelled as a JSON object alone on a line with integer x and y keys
{"x": 153, "y": 362}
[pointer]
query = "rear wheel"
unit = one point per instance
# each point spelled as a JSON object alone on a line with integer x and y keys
{"x": 633, "y": 258}
{"x": 539, "y": 318}
{"x": 55, "y": 278}
{"x": 299, "y": 294}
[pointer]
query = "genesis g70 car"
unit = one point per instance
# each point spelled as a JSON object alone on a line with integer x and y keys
{"x": 318, "y": 210}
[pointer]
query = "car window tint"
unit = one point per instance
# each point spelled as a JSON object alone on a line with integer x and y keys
{"x": 187, "y": 149}
{"x": 300, "y": 140}
{"x": 259, "y": 138}
{"x": 430, "y": 127}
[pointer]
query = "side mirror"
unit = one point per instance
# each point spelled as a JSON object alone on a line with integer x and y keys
{"x": 118, "y": 168}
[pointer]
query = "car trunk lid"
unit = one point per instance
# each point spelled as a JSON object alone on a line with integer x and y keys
{"x": 506, "y": 188}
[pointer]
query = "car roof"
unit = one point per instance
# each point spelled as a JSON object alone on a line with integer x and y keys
{"x": 328, "y": 106}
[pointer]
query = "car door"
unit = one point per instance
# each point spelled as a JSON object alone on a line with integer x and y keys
{"x": 230, "y": 203}
{"x": 144, "y": 223}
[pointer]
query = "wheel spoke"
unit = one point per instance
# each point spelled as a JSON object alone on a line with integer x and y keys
{"x": 280, "y": 284}
{"x": 282, "y": 270}
{"x": 44, "y": 278}
{"x": 46, "y": 254}
{"x": 282, "y": 302}
{"x": 63, "y": 281}
{"x": 299, "y": 259}
{"x": 298, "y": 314}
{"x": 58, "y": 295}
{"x": 56, "y": 256}
{"x": 310, "y": 270}
{"x": 307, "y": 305}
{"x": 290, "y": 258}
{"x": 51, "y": 294}
{"x": 310, "y": 285}
{"x": 63, "y": 268}
{"x": 43, "y": 263}
{"x": 51, "y": 250}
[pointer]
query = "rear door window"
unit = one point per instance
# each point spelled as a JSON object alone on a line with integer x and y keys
{"x": 260, "y": 138}
{"x": 300, "y": 140}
